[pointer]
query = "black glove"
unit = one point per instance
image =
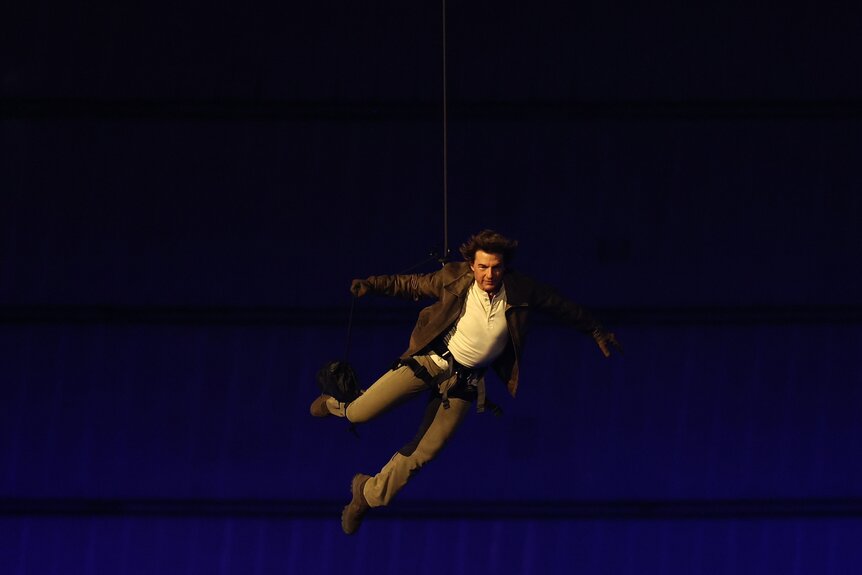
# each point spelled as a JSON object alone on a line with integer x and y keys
{"x": 606, "y": 340}
{"x": 360, "y": 287}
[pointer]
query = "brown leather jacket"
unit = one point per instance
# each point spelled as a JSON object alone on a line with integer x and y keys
{"x": 449, "y": 287}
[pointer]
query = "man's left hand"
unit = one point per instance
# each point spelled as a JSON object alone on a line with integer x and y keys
{"x": 606, "y": 340}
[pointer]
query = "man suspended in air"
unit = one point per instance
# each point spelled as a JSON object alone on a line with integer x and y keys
{"x": 478, "y": 321}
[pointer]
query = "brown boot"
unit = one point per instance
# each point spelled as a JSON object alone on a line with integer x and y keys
{"x": 318, "y": 406}
{"x": 353, "y": 512}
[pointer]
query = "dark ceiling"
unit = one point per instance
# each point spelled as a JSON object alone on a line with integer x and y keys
{"x": 213, "y": 153}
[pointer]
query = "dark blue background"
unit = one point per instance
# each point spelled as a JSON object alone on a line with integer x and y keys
{"x": 186, "y": 191}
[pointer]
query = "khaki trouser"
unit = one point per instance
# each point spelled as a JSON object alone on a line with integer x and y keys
{"x": 393, "y": 388}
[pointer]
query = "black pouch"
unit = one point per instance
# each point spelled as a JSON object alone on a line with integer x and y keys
{"x": 338, "y": 379}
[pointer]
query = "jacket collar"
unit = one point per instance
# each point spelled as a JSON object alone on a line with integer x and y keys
{"x": 515, "y": 294}
{"x": 462, "y": 281}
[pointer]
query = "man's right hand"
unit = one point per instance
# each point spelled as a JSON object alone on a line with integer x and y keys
{"x": 606, "y": 341}
{"x": 360, "y": 287}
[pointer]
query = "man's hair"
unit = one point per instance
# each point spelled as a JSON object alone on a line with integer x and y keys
{"x": 491, "y": 242}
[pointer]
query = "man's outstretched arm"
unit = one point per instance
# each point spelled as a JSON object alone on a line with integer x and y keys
{"x": 412, "y": 286}
{"x": 550, "y": 301}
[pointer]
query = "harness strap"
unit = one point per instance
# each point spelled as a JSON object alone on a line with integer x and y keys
{"x": 469, "y": 377}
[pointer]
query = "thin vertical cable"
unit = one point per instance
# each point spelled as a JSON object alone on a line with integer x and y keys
{"x": 445, "y": 255}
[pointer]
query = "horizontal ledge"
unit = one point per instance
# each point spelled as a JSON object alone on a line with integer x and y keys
{"x": 274, "y": 109}
{"x": 372, "y": 314}
{"x": 287, "y": 509}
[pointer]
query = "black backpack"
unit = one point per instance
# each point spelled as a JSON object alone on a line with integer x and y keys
{"x": 338, "y": 379}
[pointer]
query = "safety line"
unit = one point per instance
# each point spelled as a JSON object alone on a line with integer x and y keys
{"x": 445, "y": 255}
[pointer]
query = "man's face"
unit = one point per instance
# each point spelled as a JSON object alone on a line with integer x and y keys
{"x": 488, "y": 270}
